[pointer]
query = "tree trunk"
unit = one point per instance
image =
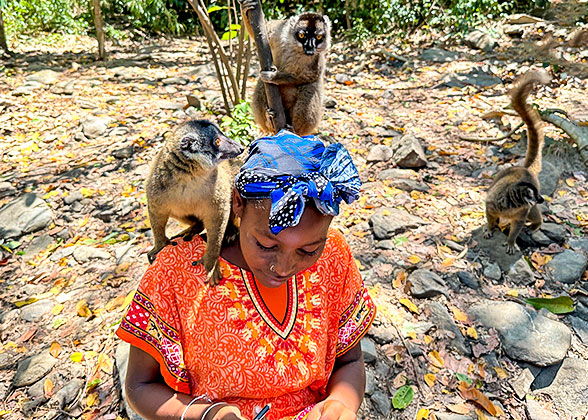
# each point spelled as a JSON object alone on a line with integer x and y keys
{"x": 99, "y": 23}
{"x": 266, "y": 62}
{"x": 3, "y": 43}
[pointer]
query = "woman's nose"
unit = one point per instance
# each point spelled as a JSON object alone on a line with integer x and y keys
{"x": 285, "y": 266}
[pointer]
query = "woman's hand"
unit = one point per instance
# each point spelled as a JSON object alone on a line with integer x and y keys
{"x": 228, "y": 412}
{"x": 331, "y": 410}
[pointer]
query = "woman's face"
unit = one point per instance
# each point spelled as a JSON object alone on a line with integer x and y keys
{"x": 291, "y": 251}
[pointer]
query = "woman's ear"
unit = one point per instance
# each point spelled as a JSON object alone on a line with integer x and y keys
{"x": 238, "y": 203}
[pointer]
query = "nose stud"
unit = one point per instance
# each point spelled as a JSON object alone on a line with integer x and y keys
{"x": 273, "y": 268}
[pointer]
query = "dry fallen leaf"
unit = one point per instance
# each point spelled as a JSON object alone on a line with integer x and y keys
{"x": 462, "y": 408}
{"x": 501, "y": 372}
{"x": 470, "y": 393}
{"x": 430, "y": 379}
{"x": 55, "y": 349}
{"x": 92, "y": 399}
{"x": 82, "y": 308}
{"x": 422, "y": 414}
{"x": 48, "y": 388}
{"x": 472, "y": 333}
{"x": 411, "y": 306}
{"x": 435, "y": 359}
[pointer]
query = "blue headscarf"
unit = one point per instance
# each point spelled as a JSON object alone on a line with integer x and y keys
{"x": 289, "y": 169}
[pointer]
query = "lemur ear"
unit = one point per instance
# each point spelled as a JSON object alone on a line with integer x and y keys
{"x": 327, "y": 21}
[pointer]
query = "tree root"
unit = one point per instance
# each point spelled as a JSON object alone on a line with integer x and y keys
{"x": 578, "y": 133}
{"x": 491, "y": 139}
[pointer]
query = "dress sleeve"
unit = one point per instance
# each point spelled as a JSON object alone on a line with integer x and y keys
{"x": 356, "y": 306}
{"x": 152, "y": 322}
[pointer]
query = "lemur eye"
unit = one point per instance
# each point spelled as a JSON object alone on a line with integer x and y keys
{"x": 218, "y": 141}
{"x": 301, "y": 35}
{"x": 319, "y": 37}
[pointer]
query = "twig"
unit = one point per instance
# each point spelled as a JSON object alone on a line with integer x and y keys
{"x": 412, "y": 362}
{"x": 491, "y": 139}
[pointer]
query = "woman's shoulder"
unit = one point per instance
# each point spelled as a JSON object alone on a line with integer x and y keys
{"x": 336, "y": 241}
{"x": 337, "y": 253}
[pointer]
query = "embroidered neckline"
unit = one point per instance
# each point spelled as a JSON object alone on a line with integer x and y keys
{"x": 284, "y": 328}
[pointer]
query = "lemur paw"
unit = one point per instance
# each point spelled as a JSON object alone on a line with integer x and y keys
{"x": 249, "y": 4}
{"x": 268, "y": 76}
{"x": 151, "y": 255}
{"x": 211, "y": 265}
{"x": 510, "y": 249}
{"x": 488, "y": 234}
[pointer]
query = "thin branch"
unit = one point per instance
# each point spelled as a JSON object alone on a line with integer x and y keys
{"x": 246, "y": 69}
{"x": 491, "y": 139}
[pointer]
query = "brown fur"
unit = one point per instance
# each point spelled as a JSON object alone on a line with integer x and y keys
{"x": 194, "y": 190}
{"x": 515, "y": 192}
{"x": 298, "y": 75}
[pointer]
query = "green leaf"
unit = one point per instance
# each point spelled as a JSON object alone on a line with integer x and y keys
{"x": 229, "y": 34}
{"x": 558, "y": 305}
{"x": 464, "y": 378}
{"x": 403, "y": 397}
{"x": 215, "y": 7}
{"x": 58, "y": 322}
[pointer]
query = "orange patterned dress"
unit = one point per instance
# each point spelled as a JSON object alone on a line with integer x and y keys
{"x": 226, "y": 344}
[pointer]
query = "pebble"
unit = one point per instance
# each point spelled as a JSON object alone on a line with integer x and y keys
{"x": 72, "y": 197}
{"x": 441, "y": 318}
{"x": 407, "y": 152}
{"x": 36, "y": 310}
{"x": 396, "y": 173}
{"x": 26, "y": 214}
{"x": 66, "y": 394}
{"x": 46, "y": 77}
{"x": 493, "y": 272}
{"x": 370, "y": 382}
{"x": 388, "y": 222}
{"x": 536, "y": 411}
{"x": 439, "y": 55}
{"x": 522, "y": 383}
{"x": 520, "y": 273}
{"x": 426, "y": 284}
{"x": 580, "y": 244}
{"x": 567, "y": 266}
{"x": 480, "y": 41}
{"x": 569, "y": 389}
{"x": 33, "y": 368}
{"x": 555, "y": 232}
{"x": 525, "y": 334}
{"x": 93, "y": 127}
{"x": 38, "y": 245}
{"x": 382, "y": 334}
{"x": 540, "y": 238}
{"x": 580, "y": 326}
{"x": 84, "y": 253}
{"x": 379, "y": 153}
{"x": 368, "y": 348}
{"x": 469, "y": 279}
{"x": 381, "y": 402}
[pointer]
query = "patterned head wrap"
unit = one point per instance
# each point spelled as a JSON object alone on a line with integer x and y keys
{"x": 289, "y": 170}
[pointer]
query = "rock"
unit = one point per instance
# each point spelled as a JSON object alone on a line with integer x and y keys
{"x": 408, "y": 185}
{"x": 27, "y": 89}
{"x": 29, "y": 407}
{"x": 66, "y": 394}
{"x": 6, "y": 189}
{"x": 396, "y": 173}
{"x": 379, "y": 153}
{"x": 382, "y": 334}
{"x": 548, "y": 178}
{"x": 468, "y": 279}
{"x": 555, "y": 232}
{"x": 451, "y": 416}
{"x": 122, "y": 356}
{"x": 579, "y": 244}
{"x": 36, "y": 390}
{"x": 170, "y": 105}
{"x": 407, "y": 152}
{"x": 513, "y": 30}
{"x": 441, "y": 318}
{"x": 525, "y": 334}
{"x": 112, "y": 99}
{"x": 522, "y": 383}
{"x": 84, "y": 253}
{"x": 46, "y": 77}
{"x": 387, "y": 222}
{"x": 38, "y": 245}
{"x": 494, "y": 249}
{"x": 368, "y": 349}
{"x": 520, "y": 273}
{"x": 343, "y": 79}
{"x": 93, "y": 127}
{"x": 569, "y": 389}
{"x": 481, "y": 41}
{"x": 439, "y": 55}
{"x": 174, "y": 81}
{"x": 36, "y": 310}
{"x": 567, "y": 266}
{"x": 86, "y": 104}
{"x": 33, "y": 368}
{"x": 124, "y": 153}
{"x": 26, "y": 214}
{"x": 370, "y": 382}
{"x": 475, "y": 77}
{"x": 118, "y": 131}
{"x": 382, "y": 402}
{"x": 536, "y": 411}
{"x": 521, "y": 18}
{"x": 124, "y": 72}
{"x": 330, "y": 102}
{"x": 72, "y": 197}
{"x": 386, "y": 244}
{"x": 540, "y": 238}
{"x": 493, "y": 272}
{"x": 582, "y": 309}
{"x": 425, "y": 284}
{"x": 580, "y": 326}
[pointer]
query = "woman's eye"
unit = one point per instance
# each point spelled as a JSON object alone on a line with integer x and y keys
{"x": 264, "y": 248}
{"x": 309, "y": 253}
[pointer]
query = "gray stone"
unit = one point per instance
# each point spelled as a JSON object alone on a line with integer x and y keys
{"x": 567, "y": 266}
{"x": 569, "y": 390}
{"x": 522, "y": 383}
{"x": 582, "y": 309}
{"x": 170, "y": 105}
{"x": 493, "y": 272}
{"x": 38, "y": 245}
{"x": 36, "y": 310}
{"x": 520, "y": 273}
{"x": 93, "y": 127}
{"x": 122, "y": 358}
{"x": 382, "y": 334}
{"x": 521, "y": 19}
{"x": 66, "y": 394}
{"x": 118, "y": 131}
{"x": 379, "y": 153}
{"x": 72, "y": 197}
{"x": 525, "y": 334}
{"x": 26, "y": 214}
{"x": 407, "y": 152}
{"x": 540, "y": 238}
{"x": 386, "y": 244}
{"x": 6, "y": 189}
{"x": 124, "y": 72}
{"x": 396, "y": 173}
{"x": 475, "y": 77}
{"x": 124, "y": 153}
{"x": 426, "y": 284}
{"x": 580, "y": 244}
{"x": 343, "y": 79}
{"x": 174, "y": 81}
{"x": 33, "y": 368}
{"x": 493, "y": 247}
{"x": 330, "y": 102}
{"x": 554, "y": 231}
{"x": 441, "y": 318}
{"x": 408, "y": 185}
{"x": 468, "y": 279}
{"x": 86, "y": 104}
{"x": 452, "y": 416}
{"x": 382, "y": 402}
{"x": 439, "y": 55}
{"x": 37, "y": 390}
{"x": 537, "y": 412}
{"x": 548, "y": 178}
{"x": 580, "y": 326}
{"x": 62, "y": 253}
{"x": 368, "y": 348}
{"x": 46, "y": 77}
{"x": 480, "y": 41}
{"x": 112, "y": 99}
{"x": 27, "y": 89}
{"x": 370, "y": 382}
{"x": 84, "y": 253}
{"x": 388, "y": 222}
{"x": 514, "y": 30}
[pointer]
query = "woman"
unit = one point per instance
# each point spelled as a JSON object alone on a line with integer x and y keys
{"x": 282, "y": 328}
